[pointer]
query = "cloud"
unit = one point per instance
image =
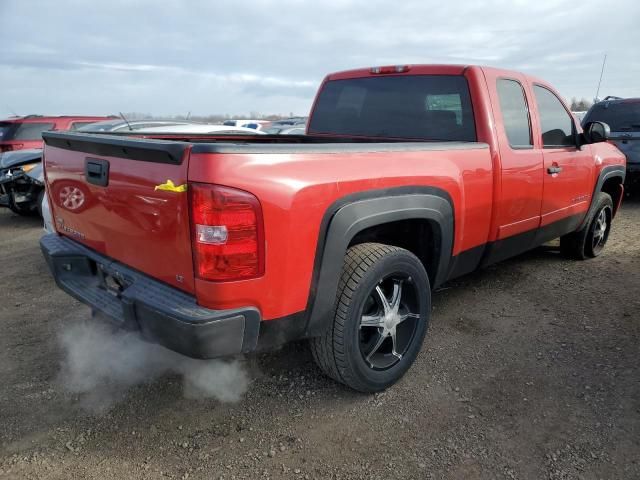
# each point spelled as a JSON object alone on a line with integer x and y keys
{"x": 215, "y": 57}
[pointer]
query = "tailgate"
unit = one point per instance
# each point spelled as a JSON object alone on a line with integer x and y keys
{"x": 112, "y": 195}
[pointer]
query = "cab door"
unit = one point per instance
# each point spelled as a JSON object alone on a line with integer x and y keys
{"x": 568, "y": 169}
{"x": 519, "y": 203}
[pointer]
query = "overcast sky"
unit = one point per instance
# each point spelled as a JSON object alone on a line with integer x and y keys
{"x": 216, "y": 56}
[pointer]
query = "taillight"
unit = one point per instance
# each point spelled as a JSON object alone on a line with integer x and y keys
{"x": 227, "y": 233}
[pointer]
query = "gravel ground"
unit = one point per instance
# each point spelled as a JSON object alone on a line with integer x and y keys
{"x": 529, "y": 370}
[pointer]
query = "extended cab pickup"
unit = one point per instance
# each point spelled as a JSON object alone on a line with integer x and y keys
{"x": 408, "y": 176}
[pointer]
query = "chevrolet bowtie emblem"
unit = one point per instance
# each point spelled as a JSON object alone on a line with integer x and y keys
{"x": 169, "y": 186}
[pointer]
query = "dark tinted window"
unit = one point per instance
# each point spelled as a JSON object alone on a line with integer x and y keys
{"x": 31, "y": 131}
{"x": 515, "y": 113}
{"x": 556, "y": 123}
{"x": 425, "y": 107}
{"x": 5, "y": 130}
{"x": 620, "y": 116}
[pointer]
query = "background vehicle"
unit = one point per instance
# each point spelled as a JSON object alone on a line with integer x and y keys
{"x": 409, "y": 176}
{"x": 286, "y": 129}
{"x": 279, "y": 126}
{"x": 623, "y": 117}
{"x": 120, "y": 125}
{"x": 21, "y": 181}
{"x": 254, "y": 124}
{"x": 21, "y": 175}
{"x": 26, "y": 132}
{"x": 300, "y": 130}
{"x": 200, "y": 128}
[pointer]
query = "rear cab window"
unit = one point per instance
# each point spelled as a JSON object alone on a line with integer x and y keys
{"x": 422, "y": 107}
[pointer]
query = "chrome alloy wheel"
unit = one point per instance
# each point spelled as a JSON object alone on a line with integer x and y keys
{"x": 388, "y": 322}
{"x": 600, "y": 231}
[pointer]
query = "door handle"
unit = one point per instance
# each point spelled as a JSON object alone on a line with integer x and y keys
{"x": 554, "y": 169}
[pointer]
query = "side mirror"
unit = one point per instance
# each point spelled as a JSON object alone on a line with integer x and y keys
{"x": 595, "y": 132}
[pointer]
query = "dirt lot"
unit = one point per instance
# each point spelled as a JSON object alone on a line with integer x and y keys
{"x": 530, "y": 370}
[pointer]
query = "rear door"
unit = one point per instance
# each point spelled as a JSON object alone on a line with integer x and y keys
{"x": 122, "y": 198}
{"x": 521, "y": 161}
{"x": 568, "y": 170}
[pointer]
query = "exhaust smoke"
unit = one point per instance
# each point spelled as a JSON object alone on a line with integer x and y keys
{"x": 101, "y": 364}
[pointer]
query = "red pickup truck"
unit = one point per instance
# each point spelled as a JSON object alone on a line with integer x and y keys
{"x": 408, "y": 176}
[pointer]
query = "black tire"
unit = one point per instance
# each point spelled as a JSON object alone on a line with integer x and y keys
{"x": 25, "y": 212}
{"x": 375, "y": 278}
{"x": 590, "y": 241}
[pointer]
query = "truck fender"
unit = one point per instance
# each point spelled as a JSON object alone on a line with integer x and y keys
{"x": 352, "y": 215}
{"x": 610, "y": 171}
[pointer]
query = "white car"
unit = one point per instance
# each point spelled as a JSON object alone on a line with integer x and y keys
{"x": 202, "y": 129}
{"x": 119, "y": 125}
{"x": 45, "y": 211}
{"x": 255, "y": 124}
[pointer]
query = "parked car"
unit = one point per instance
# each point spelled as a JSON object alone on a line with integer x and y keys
{"x": 409, "y": 176}
{"x": 297, "y": 129}
{"x": 120, "y": 125}
{"x": 26, "y": 132}
{"x": 291, "y": 121}
{"x": 21, "y": 181}
{"x": 200, "y": 128}
{"x": 21, "y": 176}
{"x": 254, "y": 124}
{"x": 623, "y": 117}
{"x": 300, "y": 130}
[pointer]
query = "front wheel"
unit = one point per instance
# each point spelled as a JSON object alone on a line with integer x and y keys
{"x": 590, "y": 241}
{"x": 380, "y": 318}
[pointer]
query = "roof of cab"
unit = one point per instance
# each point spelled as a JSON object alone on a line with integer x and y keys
{"x": 411, "y": 70}
{"x": 431, "y": 69}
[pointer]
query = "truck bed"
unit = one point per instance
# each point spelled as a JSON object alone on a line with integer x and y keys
{"x": 295, "y": 179}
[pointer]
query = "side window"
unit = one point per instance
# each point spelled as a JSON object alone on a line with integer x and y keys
{"x": 556, "y": 123}
{"x": 515, "y": 114}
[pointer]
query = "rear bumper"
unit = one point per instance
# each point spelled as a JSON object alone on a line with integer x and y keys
{"x": 135, "y": 301}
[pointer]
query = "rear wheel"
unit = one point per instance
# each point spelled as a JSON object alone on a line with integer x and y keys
{"x": 591, "y": 240}
{"x": 380, "y": 319}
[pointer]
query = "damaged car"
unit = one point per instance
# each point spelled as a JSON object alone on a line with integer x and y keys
{"x": 22, "y": 181}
